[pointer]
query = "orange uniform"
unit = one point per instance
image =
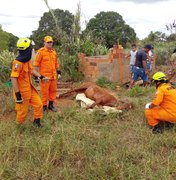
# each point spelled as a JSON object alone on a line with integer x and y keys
{"x": 22, "y": 71}
{"x": 47, "y": 61}
{"x": 165, "y": 100}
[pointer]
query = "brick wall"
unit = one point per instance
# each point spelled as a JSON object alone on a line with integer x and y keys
{"x": 112, "y": 66}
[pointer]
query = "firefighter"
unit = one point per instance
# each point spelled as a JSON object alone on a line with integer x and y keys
{"x": 46, "y": 63}
{"x": 163, "y": 106}
{"x": 24, "y": 92}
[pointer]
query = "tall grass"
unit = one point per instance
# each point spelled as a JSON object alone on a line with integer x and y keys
{"x": 6, "y": 59}
{"x": 75, "y": 144}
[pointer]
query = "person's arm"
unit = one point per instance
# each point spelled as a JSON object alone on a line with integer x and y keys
{"x": 144, "y": 64}
{"x": 145, "y": 67}
{"x": 152, "y": 106}
{"x": 128, "y": 55}
{"x": 19, "y": 99}
{"x": 15, "y": 84}
{"x": 35, "y": 71}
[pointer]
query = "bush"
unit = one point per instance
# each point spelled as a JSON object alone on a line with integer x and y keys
{"x": 104, "y": 82}
{"x": 6, "y": 59}
{"x": 163, "y": 53}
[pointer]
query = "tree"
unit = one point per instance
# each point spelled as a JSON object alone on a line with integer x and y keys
{"x": 155, "y": 37}
{"x": 112, "y": 28}
{"x": 47, "y": 26}
{"x": 8, "y": 40}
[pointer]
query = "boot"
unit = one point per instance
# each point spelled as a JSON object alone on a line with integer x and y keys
{"x": 157, "y": 129}
{"x": 45, "y": 111}
{"x": 36, "y": 122}
{"x": 51, "y": 107}
{"x": 168, "y": 125}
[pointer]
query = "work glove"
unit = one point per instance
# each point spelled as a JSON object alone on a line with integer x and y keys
{"x": 43, "y": 78}
{"x": 147, "y": 106}
{"x": 36, "y": 79}
{"x": 19, "y": 99}
{"x": 58, "y": 74}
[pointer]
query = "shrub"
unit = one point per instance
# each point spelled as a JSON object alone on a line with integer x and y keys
{"x": 104, "y": 82}
{"x": 6, "y": 59}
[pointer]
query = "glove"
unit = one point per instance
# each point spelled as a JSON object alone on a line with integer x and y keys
{"x": 36, "y": 79}
{"x": 147, "y": 105}
{"x": 58, "y": 74}
{"x": 19, "y": 99}
{"x": 43, "y": 78}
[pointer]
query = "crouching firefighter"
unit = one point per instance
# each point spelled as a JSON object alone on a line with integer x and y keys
{"x": 161, "y": 112}
{"x": 23, "y": 90}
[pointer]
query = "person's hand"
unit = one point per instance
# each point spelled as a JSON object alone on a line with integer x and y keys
{"x": 43, "y": 78}
{"x": 146, "y": 72}
{"x": 147, "y": 106}
{"x": 19, "y": 99}
{"x": 59, "y": 74}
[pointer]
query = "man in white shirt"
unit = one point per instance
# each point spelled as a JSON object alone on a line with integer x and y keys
{"x": 132, "y": 55}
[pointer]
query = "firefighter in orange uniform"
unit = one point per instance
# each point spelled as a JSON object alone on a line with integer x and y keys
{"x": 163, "y": 107}
{"x": 23, "y": 90}
{"x": 46, "y": 63}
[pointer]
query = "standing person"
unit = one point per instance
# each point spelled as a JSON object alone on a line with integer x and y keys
{"x": 23, "y": 89}
{"x": 150, "y": 58}
{"x": 132, "y": 55}
{"x": 140, "y": 67}
{"x": 163, "y": 106}
{"x": 46, "y": 62}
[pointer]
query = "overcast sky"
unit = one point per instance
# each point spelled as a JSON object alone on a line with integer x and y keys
{"x": 21, "y": 17}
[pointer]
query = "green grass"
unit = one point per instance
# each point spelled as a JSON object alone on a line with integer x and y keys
{"x": 78, "y": 145}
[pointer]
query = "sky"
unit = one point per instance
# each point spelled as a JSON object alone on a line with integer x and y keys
{"x": 21, "y": 17}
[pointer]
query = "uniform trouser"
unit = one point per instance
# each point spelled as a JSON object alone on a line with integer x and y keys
{"x": 22, "y": 109}
{"x": 48, "y": 90}
{"x": 157, "y": 114}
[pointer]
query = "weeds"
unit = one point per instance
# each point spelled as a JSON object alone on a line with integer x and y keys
{"x": 78, "y": 145}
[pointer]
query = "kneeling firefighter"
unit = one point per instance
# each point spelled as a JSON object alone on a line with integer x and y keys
{"x": 163, "y": 106}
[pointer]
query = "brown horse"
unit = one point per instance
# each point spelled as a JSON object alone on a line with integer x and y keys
{"x": 99, "y": 95}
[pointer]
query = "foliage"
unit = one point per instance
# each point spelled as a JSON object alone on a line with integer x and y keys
{"x": 155, "y": 37}
{"x": 111, "y": 27}
{"x": 163, "y": 52}
{"x": 6, "y": 59}
{"x": 171, "y": 27}
{"x": 104, "y": 82}
{"x": 8, "y": 41}
{"x": 138, "y": 91}
{"x": 47, "y": 26}
{"x": 70, "y": 67}
{"x": 75, "y": 144}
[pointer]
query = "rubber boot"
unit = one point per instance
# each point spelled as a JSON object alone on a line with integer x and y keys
{"x": 45, "y": 110}
{"x": 168, "y": 125}
{"x": 157, "y": 129}
{"x": 36, "y": 122}
{"x": 51, "y": 107}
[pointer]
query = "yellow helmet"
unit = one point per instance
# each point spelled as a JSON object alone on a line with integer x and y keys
{"x": 23, "y": 43}
{"x": 48, "y": 39}
{"x": 159, "y": 76}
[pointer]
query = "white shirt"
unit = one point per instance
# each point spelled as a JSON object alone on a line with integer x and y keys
{"x": 132, "y": 57}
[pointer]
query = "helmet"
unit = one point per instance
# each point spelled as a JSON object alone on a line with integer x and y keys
{"x": 159, "y": 76}
{"x": 23, "y": 43}
{"x": 48, "y": 39}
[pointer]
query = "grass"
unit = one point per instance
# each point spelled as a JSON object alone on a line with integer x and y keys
{"x": 75, "y": 144}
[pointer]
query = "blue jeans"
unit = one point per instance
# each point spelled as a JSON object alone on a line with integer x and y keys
{"x": 139, "y": 72}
